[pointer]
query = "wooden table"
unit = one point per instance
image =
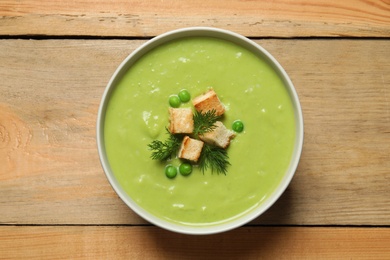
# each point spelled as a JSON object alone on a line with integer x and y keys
{"x": 56, "y": 58}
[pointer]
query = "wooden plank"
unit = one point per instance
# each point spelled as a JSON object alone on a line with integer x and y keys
{"x": 329, "y": 18}
{"x": 93, "y": 242}
{"x": 49, "y": 167}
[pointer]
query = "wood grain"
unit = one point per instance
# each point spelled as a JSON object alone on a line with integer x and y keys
{"x": 280, "y": 18}
{"x": 49, "y": 167}
{"x": 154, "y": 243}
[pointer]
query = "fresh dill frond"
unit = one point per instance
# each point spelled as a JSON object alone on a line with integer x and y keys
{"x": 215, "y": 158}
{"x": 204, "y": 122}
{"x": 165, "y": 150}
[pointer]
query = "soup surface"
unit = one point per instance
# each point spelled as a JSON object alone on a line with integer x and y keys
{"x": 137, "y": 114}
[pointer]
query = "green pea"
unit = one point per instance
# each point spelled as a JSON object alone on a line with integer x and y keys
{"x": 238, "y": 126}
{"x": 174, "y": 101}
{"x": 184, "y": 95}
{"x": 170, "y": 171}
{"x": 185, "y": 169}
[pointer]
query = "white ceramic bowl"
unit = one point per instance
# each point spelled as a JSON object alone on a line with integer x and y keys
{"x": 229, "y": 36}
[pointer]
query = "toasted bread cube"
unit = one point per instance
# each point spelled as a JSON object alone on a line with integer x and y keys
{"x": 190, "y": 149}
{"x": 209, "y": 101}
{"x": 181, "y": 121}
{"x": 220, "y": 136}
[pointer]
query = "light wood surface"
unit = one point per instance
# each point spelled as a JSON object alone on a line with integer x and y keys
{"x": 49, "y": 117}
{"x": 280, "y": 18}
{"x": 153, "y": 243}
{"x": 56, "y": 58}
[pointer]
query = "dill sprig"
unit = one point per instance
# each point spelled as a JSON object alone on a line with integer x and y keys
{"x": 212, "y": 157}
{"x": 164, "y": 150}
{"x": 204, "y": 122}
{"x": 215, "y": 158}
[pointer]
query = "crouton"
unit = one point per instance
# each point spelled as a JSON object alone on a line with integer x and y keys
{"x": 220, "y": 136}
{"x": 209, "y": 101}
{"x": 181, "y": 121}
{"x": 190, "y": 149}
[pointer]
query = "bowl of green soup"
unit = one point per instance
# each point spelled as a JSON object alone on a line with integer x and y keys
{"x": 222, "y": 188}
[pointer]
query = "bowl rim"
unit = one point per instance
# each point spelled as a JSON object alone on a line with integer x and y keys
{"x": 192, "y": 32}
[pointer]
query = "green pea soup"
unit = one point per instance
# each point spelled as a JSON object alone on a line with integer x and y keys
{"x": 250, "y": 89}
